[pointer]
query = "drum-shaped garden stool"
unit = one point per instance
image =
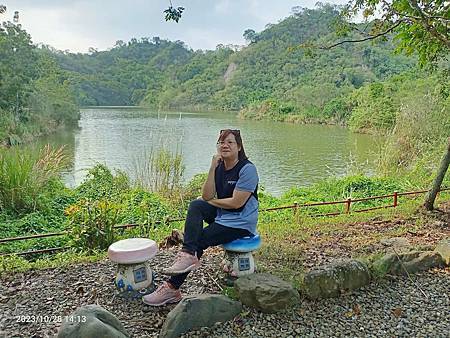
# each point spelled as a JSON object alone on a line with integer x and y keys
{"x": 134, "y": 276}
{"x": 238, "y": 256}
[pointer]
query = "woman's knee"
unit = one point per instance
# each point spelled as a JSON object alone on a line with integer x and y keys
{"x": 197, "y": 204}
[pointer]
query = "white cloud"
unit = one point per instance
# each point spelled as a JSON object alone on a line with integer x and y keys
{"x": 79, "y": 24}
{"x": 222, "y": 7}
{"x": 209, "y": 39}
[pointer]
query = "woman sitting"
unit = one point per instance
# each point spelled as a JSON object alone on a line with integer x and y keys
{"x": 229, "y": 204}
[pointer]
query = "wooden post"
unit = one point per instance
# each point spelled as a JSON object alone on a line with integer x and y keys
{"x": 395, "y": 199}
{"x": 295, "y": 208}
{"x": 347, "y": 205}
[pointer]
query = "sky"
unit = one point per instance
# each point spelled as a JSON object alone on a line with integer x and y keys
{"x": 77, "y": 25}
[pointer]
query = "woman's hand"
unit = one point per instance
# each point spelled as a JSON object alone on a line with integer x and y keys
{"x": 215, "y": 161}
{"x": 209, "y": 188}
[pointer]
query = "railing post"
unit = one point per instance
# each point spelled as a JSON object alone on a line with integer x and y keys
{"x": 347, "y": 205}
{"x": 295, "y": 208}
{"x": 395, "y": 199}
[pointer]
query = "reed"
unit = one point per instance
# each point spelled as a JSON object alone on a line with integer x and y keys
{"x": 24, "y": 174}
{"x": 159, "y": 171}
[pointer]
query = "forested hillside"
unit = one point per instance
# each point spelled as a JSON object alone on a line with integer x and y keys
{"x": 363, "y": 85}
{"x": 124, "y": 74}
{"x": 166, "y": 74}
{"x": 35, "y": 97}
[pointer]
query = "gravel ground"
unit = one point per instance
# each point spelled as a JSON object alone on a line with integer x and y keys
{"x": 389, "y": 308}
{"x": 394, "y": 307}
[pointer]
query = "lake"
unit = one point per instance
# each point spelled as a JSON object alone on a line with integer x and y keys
{"x": 286, "y": 155}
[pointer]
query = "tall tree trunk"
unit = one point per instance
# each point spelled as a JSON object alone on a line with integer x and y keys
{"x": 431, "y": 196}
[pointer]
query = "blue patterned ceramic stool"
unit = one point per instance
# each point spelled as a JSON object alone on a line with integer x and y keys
{"x": 238, "y": 259}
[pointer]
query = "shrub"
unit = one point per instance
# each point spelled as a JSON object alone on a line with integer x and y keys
{"x": 100, "y": 183}
{"x": 375, "y": 108}
{"x": 105, "y": 200}
{"x": 193, "y": 189}
{"x": 143, "y": 207}
{"x": 25, "y": 173}
{"x": 92, "y": 224}
{"x": 13, "y": 263}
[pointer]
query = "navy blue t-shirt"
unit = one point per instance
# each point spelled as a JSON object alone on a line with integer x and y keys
{"x": 248, "y": 217}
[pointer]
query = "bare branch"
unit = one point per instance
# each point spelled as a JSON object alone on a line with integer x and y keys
{"x": 371, "y": 37}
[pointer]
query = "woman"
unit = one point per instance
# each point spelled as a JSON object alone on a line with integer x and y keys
{"x": 229, "y": 204}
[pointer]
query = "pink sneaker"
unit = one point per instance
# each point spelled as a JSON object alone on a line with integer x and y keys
{"x": 162, "y": 295}
{"x": 184, "y": 262}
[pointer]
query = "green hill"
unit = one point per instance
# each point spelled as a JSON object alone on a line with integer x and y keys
{"x": 166, "y": 74}
{"x": 124, "y": 74}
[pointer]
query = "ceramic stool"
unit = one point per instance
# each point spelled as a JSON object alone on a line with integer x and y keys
{"x": 238, "y": 256}
{"x": 134, "y": 276}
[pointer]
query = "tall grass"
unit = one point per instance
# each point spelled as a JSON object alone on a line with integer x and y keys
{"x": 422, "y": 126}
{"x": 159, "y": 171}
{"x": 24, "y": 174}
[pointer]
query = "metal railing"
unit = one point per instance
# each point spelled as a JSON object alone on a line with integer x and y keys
{"x": 347, "y": 210}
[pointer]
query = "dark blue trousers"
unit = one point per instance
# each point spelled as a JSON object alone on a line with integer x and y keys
{"x": 197, "y": 238}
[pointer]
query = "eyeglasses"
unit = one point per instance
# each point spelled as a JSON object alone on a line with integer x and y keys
{"x": 228, "y": 143}
{"x": 234, "y": 131}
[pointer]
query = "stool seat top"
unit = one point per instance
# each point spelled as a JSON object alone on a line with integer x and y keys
{"x": 132, "y": 250}
{"x": 244, "y": 244}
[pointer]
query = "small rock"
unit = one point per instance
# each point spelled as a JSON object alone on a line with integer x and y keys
{"x": 194, "y": 312}
{"x": 92, "y": 321}
{"x": 443, "y": 248}
{"x": 396, "y": 242}
{"x": 266, "y": 292}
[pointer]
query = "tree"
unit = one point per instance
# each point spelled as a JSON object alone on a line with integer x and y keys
{"x": 16, "y": 13}
{"x": 420, "y": 26}
{"x": 92, "y": 50}
{"x": 119, "y": 44}
{"x": 17, "y": 66}
{"x": 250, "y": 36}
{"x": 156, "y": 40}
{"x": 431, "y": 196}
{"x": 33, "y": 89}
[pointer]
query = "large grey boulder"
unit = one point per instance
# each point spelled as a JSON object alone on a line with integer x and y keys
{"x": 443, "y": 248}
{"x": 412, "y": 262}
{"x": 92, "y": 321}
{"x": 266, "y": 292}
{"x": 199, "y": 311}
{"x": 330, "y": 280}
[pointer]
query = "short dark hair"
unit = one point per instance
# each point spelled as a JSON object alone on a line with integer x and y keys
{"x": 237, "y": 135}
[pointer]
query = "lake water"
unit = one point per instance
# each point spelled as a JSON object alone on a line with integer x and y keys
{"x": 285, "y": 154}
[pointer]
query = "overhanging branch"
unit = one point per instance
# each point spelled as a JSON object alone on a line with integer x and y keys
{"x": 371, "y": 37}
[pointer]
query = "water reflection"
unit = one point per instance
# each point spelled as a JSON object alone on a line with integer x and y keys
{"x": 286, "y": 155}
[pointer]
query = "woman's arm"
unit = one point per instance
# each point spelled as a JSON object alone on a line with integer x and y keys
{"x": 246, "y": 184}
{"x": 235, "y": 202}
{"x": 209, "y": 188}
